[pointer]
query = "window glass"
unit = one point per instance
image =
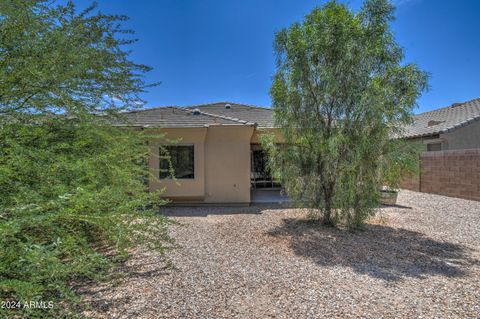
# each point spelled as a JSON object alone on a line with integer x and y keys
{"x": 181, "y": 160}
{"x": 434, "y": 147}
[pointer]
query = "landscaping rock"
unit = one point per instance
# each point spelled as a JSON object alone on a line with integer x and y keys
{"x": 420, "y": 258}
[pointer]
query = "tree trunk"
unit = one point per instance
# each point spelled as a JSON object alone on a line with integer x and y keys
{"x": 327, "y": 216}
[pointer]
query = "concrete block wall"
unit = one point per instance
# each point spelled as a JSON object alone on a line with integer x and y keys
{"x": 453, "y": 173}
{"x": 411, "y": 182}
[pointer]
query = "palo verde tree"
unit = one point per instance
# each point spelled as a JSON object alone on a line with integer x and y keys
{"x": 73, "y": 200}
{"x": 340, "y": 93}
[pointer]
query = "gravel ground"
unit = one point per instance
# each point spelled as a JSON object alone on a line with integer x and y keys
{"x": 419, "y": 259}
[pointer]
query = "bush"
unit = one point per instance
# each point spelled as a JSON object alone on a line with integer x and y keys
{"x": 73, "y": 203}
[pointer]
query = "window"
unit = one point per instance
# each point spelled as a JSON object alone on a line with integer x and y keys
{"x": 181, "y": 160}
{"x": 434, "y": 147}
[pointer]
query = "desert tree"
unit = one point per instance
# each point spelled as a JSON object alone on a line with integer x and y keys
{"x": 73, "y": 200}
{"x": 54, "y": 59}
{"x": 341, "y": 94}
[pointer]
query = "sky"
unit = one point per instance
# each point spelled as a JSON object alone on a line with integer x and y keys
{"x": 206, "y": 51}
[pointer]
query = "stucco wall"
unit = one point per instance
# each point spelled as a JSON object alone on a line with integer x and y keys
{"x": 227, "y": 164}
{"x": 275, "y": 131}
{"x": 222, "y": 165}
{"x": 466, "y": 137}
{"x": 187, "y": 189}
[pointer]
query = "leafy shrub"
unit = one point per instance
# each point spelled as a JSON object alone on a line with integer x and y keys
{"x": 73, "y": 203}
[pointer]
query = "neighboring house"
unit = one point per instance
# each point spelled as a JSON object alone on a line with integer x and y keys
{"x": 218, "y": 159}
{"x": 216, "y": 152}
{"x": 449, "y": 128}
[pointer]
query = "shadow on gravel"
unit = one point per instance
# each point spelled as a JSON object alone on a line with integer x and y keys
{"x": 101, "y": 297}
{"x": 204, "y": 211}
{"x": 397, "y": 206}
{"x": 383, "y": 252}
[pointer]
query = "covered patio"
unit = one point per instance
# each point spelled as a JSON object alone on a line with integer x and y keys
{"x": 268, "y": 196}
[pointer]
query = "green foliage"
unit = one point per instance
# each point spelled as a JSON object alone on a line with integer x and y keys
{"x": 73, "y": 199}
{"x": 70, "y": 192}
{"x": 340, "y": 93}
{"x": 401, "y": 158}
{"x": 56, "y": 60}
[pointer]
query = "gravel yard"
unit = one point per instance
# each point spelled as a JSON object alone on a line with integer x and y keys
{"x": 418, "y": 259}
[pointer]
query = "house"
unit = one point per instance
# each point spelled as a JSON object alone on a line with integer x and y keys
{"x": 453, "y": 127}
{"x": 216, "y": 152}
{"x": 218, "y": 159}
{"x": 455, "y": 131}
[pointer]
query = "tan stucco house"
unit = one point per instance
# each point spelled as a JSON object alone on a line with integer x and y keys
{"x": 218, "y": 159}
{"x": 216, "y": 152}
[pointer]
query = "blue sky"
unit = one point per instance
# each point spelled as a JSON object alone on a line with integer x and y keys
{"x": 221, "y": 50}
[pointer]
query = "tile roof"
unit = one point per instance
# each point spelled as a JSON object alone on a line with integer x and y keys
{"x": 227, "y": 113}
{"x": 262, "y": 116}
{"x": 444, "y": 119}
{"x": 174, "y": 117}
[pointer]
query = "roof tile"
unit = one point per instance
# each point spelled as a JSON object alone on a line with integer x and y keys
{"x": 444, "y": 119}
{"x": 173, "y": 117}
{"x": 262, "y": 116}
{"x": 429, "y": 123}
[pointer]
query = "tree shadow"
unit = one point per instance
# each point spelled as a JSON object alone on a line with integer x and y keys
{"x": 382, "y": 252}
{"x": 103, "y": 297}
{"x": 396, "y": 206}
